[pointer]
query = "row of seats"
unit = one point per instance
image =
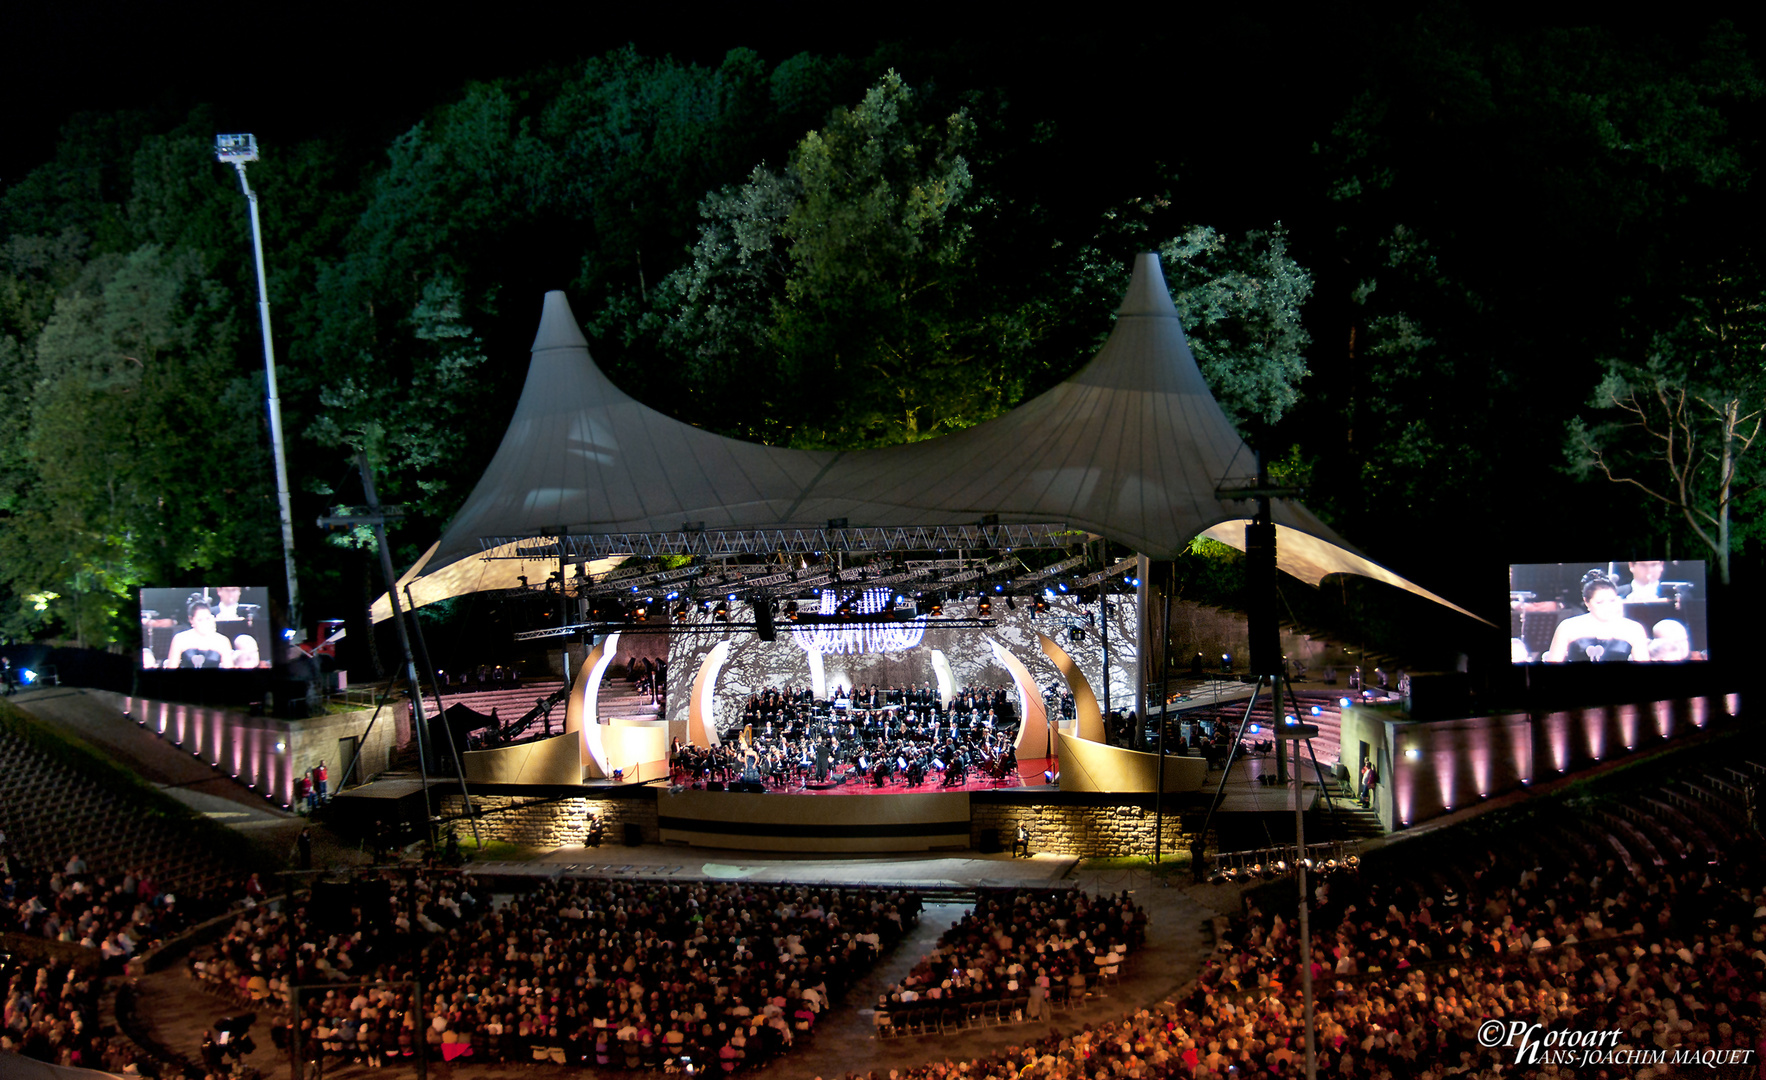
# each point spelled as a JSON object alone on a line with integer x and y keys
{"x": 54, "y": 811}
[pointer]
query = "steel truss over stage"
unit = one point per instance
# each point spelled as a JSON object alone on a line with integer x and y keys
{"x": 715, "y": 543}
{"x": 878, "y": 562}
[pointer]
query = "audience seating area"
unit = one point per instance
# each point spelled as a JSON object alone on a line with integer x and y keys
{"x": 54, "y": 811}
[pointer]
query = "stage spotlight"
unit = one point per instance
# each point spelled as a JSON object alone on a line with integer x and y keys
{"x": 1413, "y": 754}
{"x": 1076, "y": 634}
{"x": 722, "y": 612}
{"x": 1317, "y": 710}
{"x": 681, "y": 609}
{"x": 1342, "y": 703}
{"x": 791, "y": 610}
{"x": 705, "y": 607}
{"x": 676, "y": 595}
{"x": 937, "y": 605}
{"x": 984, "y": 607}
{"x": 1133, "y": 581}
{"x": 1062, "y": 586}
{"x": 1042, "y": 605}
{"x": 1255, "y": 728}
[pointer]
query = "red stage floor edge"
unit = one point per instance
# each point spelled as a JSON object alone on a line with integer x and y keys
{"x": 1030, "y": 774}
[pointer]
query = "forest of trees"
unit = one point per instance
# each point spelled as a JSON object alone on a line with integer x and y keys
{"x": 1491, "y": 293}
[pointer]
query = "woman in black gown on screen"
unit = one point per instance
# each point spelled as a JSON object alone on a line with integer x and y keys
{"x": 1604, "y": 634}
{"x": 201, "y": 646}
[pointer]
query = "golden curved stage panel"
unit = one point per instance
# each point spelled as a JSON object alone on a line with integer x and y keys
{"x": 1096, "y": 766}
{"x": 557, "y": 760}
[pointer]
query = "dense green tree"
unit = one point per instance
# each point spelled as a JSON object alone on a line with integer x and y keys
{"x": 848, "y": 299}
{"x": 1678, "y": 425}
{"x": 139, "y": 448}
{"x": 1508, "y": 204}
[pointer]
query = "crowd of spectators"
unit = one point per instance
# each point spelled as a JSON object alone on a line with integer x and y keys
{"x": 1667, "y": 960}
{"x": 726, "y": 975}
{"x": 114, "y": 915}
{"x": 51, "y": 1013}
{"x": 1028, "y": 943}
{"x": 90, "y": 926}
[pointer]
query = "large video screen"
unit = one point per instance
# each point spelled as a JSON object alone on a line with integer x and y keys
{"x": 1646, "y": 611}
{"x": 213, "y": 628}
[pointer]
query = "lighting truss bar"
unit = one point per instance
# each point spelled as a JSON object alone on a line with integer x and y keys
{"x": 718, "y": 542}
{"x": 1057, "y": 568}
{"x": 988, "y": 570}
{"x": 718, "y": 627}
{"x": 1122, "y": 567}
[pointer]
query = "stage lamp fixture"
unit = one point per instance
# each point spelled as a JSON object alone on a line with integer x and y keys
{"x": 791, "y": 610}
{"x": 1042, "y": 605}
{"x": 641, "y": 613}
{"x": 722, "y": 612}
{"x": 937, "y": 605}
{"x": 1318, "y": 710}
{"x": 984, "y": 607}
{"x": 1133, "y": 581}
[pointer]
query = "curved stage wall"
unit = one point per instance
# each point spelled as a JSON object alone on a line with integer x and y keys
{"x": 746, "y": 665}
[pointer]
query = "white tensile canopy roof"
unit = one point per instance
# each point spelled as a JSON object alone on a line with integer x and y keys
{"x": 1132, "y": 447}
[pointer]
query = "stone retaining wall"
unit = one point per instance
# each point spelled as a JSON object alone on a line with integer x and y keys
{"x": 558, "y": 822}
{"x": 1084, "y": 831}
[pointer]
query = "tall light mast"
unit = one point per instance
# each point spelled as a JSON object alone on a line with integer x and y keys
{"x": 239, "y": 151}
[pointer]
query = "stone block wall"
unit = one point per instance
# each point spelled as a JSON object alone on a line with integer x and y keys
{"x": 558, "y": 822}
{"x": 1084, "y": 831}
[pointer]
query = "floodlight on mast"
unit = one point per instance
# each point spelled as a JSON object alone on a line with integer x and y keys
{"x": 239, "y": 151}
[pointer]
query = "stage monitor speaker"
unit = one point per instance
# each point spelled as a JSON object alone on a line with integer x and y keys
{"x": 714, "y": 785}
{"x": 763, "y": 620}
{"x": 989, "y": 842}
{"x": 634, "y": 835}
{"x": 1262, "y": 611}
{"x": 1441, "y": 695}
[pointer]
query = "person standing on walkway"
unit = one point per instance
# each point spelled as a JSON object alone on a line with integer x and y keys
{"x": 319, "y": 778}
